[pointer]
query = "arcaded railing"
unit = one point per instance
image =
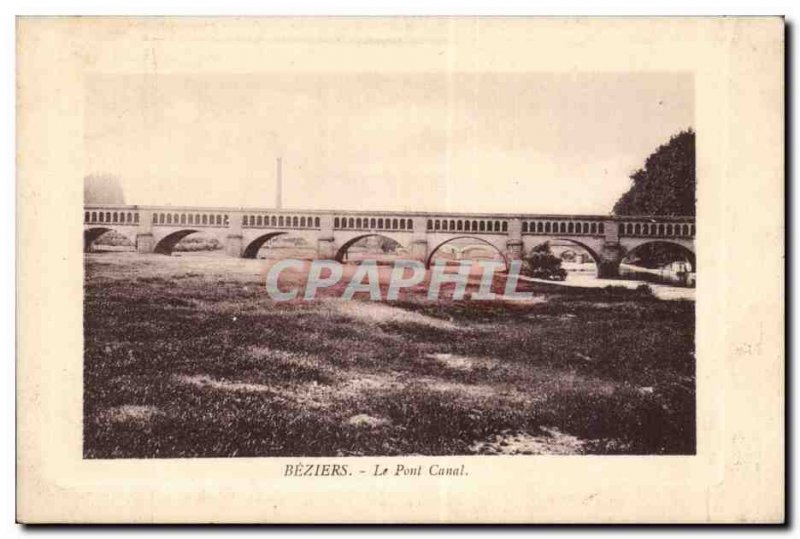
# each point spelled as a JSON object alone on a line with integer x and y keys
{"x": 587, "y": 225}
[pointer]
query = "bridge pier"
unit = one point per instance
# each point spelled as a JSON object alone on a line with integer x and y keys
{"x": 145, "y": 243}
{"x": 419, "y": 250}
{"x": 610, "y": 259}
{"x": 611, "y": 253}
{"x": 326, "y": 249}
{"x": 234, "y": 241}
{"x": 419, "y": 240}
{"x": 514, "y": 250}
{"x": 326, "y": 243}
{"x": 234, "y": 245}
{"x": 514, "y": 242}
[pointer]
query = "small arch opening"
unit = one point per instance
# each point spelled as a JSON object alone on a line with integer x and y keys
{"x": 278, "y": 245}
{"x": 660, "y": 262}
{"x": 381, "y": 249}
{"x": 578, "y": 260}
{"x": 466, "y": 248}
{"x": 188, "y": 242}
{"x": 105, "y": 240}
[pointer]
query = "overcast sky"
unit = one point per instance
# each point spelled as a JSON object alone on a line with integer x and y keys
{"x": 530, "y": 142}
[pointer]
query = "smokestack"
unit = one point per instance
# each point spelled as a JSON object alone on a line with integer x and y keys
{"x": 279, "y": 186}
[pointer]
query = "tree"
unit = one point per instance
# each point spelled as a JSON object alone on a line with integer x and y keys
{"x": 387, "y": 245}
{"x": 666, "y": 183}
{"x": 657, "y": 255}
{"x": 543, "y": 264}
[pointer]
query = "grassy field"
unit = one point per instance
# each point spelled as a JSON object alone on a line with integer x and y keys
{"x": 186, "y": 356}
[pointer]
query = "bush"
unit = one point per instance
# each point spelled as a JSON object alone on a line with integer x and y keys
{"x": 198, "y": 244}
{"x": 543, "y": 264}
{"x": 113, "y": 238}
{"x": 645, "y": 290}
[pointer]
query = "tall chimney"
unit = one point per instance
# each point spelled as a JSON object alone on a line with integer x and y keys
{"x": 279, "y": 186}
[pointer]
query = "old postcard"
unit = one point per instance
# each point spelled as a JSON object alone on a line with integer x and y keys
{"x": 399, "y": 270}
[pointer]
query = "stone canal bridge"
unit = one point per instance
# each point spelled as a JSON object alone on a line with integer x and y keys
{"x": 244, "y": 231}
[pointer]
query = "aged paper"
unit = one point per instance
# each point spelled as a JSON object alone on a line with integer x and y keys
{"x": 170, "y": 168}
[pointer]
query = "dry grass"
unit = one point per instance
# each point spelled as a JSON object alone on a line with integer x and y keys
{"x": 187, "y": 356}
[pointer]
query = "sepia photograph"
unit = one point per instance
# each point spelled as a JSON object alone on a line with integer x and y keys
{"x": 406, "y": 270}
{"x": 355, "y": 290}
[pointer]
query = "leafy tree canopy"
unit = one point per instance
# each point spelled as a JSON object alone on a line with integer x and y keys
{"x": 666, "y": 183}
{"x": 542, "y": 263}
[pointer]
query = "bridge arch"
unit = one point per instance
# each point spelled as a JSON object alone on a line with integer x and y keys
{"x": 595, "y": 256}
{"x": 472, "y": 247}
{"x": 166, "y": 244}
{"x": 476, "y": 239}
{"x": 592, "y": 253}
{"x": 675, "y": 246}
{"x": 341, "y": 252}
{"x": 92, "y": 234}
{"x": 252, "y": 248}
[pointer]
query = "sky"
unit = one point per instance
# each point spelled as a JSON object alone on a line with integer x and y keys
{"x": 437, "y": 141}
